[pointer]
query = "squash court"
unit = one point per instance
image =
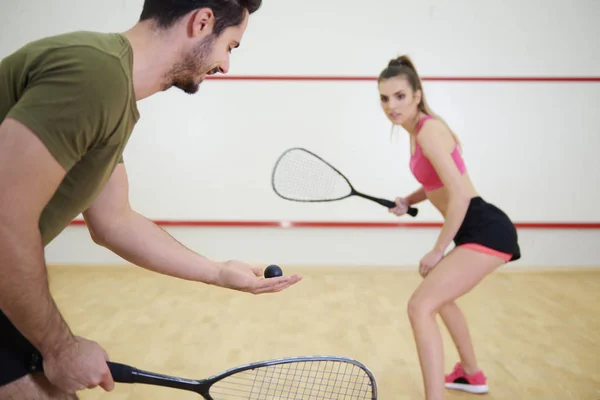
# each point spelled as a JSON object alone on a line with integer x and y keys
{"x": 535, "y": 332}
{"x": 355, "y": 82}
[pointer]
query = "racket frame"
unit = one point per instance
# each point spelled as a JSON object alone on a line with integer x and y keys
{"x": 412, "y": 211}
{"x": 123, "y": 373}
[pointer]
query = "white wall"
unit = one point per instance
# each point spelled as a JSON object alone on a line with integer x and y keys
{"x": 339, "y": 247}
{"x": 227, "y": 137}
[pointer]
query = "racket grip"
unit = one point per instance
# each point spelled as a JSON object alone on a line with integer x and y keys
{"x": 412, "y": 211}
{"x": 121, "y": 373}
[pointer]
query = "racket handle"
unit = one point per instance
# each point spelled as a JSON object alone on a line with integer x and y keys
{"x": 387, "y": 203}
{"x": 383, "y": 202}
{"x": 121, "y": 373}
{"x": 412, "y": 211}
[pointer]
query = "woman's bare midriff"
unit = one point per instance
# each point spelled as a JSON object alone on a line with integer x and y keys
{"x": 440, "y": 197}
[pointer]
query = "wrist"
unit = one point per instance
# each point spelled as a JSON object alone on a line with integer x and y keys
{"x": 213, "y": 272}
{"x": 440, "y": 248}
{"x": 56, "y": 344}
{"x": 408, "y": 200}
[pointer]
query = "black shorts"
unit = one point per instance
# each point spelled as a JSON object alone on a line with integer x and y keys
{"x": 488, "y": 229}
{"x": 16, "y": 353}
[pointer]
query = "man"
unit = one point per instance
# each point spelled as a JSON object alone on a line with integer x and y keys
{"x": 67, "y": 108}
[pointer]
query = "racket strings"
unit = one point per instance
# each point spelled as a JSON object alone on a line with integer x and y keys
{"x": 314, "y": 380}
{"x": 301, "y": 176}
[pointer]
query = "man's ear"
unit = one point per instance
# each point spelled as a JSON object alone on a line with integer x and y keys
{"x": 202, "y": 22}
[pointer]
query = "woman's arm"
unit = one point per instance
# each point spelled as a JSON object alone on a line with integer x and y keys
{"x": 437, "y": 144}
{"x": 416, "y": 197}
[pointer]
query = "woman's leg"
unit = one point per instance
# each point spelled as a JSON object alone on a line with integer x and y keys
{"x": 459, "y": 332}
{"x": 456, "y": 274}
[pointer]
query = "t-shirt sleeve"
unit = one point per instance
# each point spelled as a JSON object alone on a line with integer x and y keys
{"x": 74, "y": 99}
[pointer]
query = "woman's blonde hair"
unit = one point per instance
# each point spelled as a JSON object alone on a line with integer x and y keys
{"x": 403, "y": 67}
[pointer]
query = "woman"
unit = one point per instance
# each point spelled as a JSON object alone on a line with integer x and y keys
{"x": 484, "y": 236}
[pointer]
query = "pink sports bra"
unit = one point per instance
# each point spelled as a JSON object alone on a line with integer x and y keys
{"x": 422, "y": 168}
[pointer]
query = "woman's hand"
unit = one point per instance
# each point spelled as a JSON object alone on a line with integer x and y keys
{"x": 401, "y": 206}
{"x": 429, "y": 261}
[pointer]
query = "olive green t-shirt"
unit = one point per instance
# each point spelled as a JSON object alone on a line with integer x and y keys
{"x": 75, "y": 92}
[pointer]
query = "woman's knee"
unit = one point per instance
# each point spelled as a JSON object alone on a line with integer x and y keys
{"x": 420, "y": 306}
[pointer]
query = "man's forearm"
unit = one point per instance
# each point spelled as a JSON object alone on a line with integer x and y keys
{"x": 141, "y": 242}
{"x": 24, "y": 293}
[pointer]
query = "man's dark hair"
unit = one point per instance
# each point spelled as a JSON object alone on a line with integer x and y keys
{"x": 227, "y": 12}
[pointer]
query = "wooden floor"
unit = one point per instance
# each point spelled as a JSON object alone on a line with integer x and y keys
{"x": 537, "y": 334}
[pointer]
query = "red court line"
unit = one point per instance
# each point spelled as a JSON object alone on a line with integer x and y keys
{"x": 357, "y": 224}
{"x": 425, "y": 78}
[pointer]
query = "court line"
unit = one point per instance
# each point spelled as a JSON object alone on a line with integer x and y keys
{"x": 350, "y": 224}
{"x": 425, "y": 78}
{"x": 360, "y": 224}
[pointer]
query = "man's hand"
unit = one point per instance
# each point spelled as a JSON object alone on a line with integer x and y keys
{"x": 79, "y": 365}
{"x": 246, "y": 278}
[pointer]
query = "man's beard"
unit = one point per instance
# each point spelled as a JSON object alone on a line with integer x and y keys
{"x": 183, "y": 73}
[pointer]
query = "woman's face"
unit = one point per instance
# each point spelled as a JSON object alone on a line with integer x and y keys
{"x": 398, "y": 101}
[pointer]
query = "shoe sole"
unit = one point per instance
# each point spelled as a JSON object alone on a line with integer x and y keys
{"x": 478, "y": 389}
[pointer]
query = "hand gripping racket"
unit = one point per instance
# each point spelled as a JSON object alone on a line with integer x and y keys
{"x": 300, "y": 175}
{"x": 298, "y": 378}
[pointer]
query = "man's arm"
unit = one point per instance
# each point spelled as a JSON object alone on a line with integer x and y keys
{"x": 115, "y": 225}
{"x": 29, "y": 176}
